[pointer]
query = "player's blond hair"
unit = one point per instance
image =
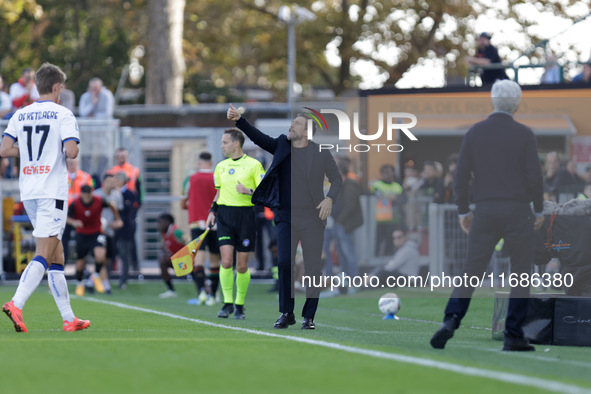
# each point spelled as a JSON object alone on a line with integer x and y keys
{"x": 47, "y": 76}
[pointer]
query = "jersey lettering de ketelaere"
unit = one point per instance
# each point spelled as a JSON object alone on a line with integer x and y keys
{"x": 41, "y": 130}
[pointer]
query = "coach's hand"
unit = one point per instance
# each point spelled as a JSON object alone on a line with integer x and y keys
{"x": 538, "y": 223}
{"x": 233, "y": 113}
{"x": 210, "y": 220}
{"x": 325, "y": 208}
{"x": 466, "y": 223}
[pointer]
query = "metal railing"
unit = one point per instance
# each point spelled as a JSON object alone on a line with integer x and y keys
{"x": 448, "y": 244}
{"x": 474, "y": 71}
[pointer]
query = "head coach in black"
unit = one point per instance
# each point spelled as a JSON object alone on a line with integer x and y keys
{"x": 499, "y": 162}
{"x": 294, "y": 185}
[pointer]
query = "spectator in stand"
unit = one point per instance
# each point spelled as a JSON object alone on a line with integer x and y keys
{"x": 348, "y": 216}
{"x": 173, "y": 240}
{"x": 124, "y": 235}
{"x": 568, "y": 179}
{"x": 549, "y": 193}
{"x": 585, "y": 76}
{"x": 111, "y": 194}
{"x": 68, "y": 99}
{"x": 5, "y": 102}
{"x": 487, "y": 55}
{"x": 552, "y": 166}
{"x": 405, "y": 262}
{"x": 387, "y": 192}
{"x": 135, "y": 186}
{"x": 85, "y": 216}
{"x": 198, "y": 196}
{"x": 448, "y": 179}
{"x": 432, "y": 184}
{"x": 551, "y": 71}
{"x": 24, "y": 92}
{"x": 587, "y": 175}
{"x": 97, "y": 102}
{"x": 586, "y": 194}
{"x": 411, "y": 185}
{"x": 76, "y": 179}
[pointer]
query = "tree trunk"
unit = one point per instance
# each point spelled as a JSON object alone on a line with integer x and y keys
{"x": 166, "y": 63}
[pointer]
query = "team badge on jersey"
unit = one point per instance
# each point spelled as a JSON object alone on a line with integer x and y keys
{"x": 231, "y": 172}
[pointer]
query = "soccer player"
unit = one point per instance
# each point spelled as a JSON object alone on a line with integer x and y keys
{"x": 76, "y": 179}
{"x": 173, "y": 240}
{"x": 109, "y": 192}
{"x": 199, "y": 194}
{"x": 85, "y": 216}
{"x": 47, "y": 133}
{"x": 232, "y": 209}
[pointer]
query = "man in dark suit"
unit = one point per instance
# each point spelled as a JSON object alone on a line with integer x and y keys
{"x": 499, "y": 157}
{"x": 293, "y": 185}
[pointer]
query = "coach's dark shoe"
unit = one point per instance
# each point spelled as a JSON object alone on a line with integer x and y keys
{"x": 517, "y": 345}
{"x": 445, "y": 332}
{"x": 239, "y": 312}
{"x": 308, "y": 324}
{"x": 226, "y": 310}
{"x": 285, "y": 320}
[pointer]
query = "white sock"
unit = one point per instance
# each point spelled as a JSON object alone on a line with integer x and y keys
{"x": 106, "y": 284}
{"x": 59, "y": 289}
{"x": 29, "y": 281}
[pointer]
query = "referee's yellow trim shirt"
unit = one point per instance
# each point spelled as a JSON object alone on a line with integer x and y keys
{"x": 229, "y": 172}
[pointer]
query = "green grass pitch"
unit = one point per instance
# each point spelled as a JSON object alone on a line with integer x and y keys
{"x": 168, "y": 348}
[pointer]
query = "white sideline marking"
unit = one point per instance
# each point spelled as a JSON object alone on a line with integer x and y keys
{"x": 506, "y": 377}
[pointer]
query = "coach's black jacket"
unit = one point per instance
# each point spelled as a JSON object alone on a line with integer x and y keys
{"x": 273, "y": 185}
{"x": 503, "y": 156}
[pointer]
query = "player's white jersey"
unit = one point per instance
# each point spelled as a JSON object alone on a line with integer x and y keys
{"x": 41, "y": 129}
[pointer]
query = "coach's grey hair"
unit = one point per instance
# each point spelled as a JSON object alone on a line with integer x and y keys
{"x": 506, "y": 95}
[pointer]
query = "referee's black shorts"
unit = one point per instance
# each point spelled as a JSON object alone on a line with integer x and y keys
{"x": 211, "y": 240}
{"x": 236, "y": 227}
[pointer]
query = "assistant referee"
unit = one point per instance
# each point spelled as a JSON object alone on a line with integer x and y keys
{"x": 232, "y": 209}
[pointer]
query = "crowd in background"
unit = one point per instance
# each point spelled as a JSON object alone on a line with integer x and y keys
{"x": 98, "y": 102}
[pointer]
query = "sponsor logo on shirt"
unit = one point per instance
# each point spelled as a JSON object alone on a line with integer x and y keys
{"x": 36, "y": 170}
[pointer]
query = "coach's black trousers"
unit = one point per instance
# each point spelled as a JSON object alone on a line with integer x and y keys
{"x": 512, "y": 221}
{"x": 292, "y": 228}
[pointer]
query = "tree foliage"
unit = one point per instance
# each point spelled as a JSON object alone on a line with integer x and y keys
{"x": 87, "y": 39}
{"x": 244, "y": 44}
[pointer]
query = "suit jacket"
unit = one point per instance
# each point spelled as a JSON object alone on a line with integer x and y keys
{"x": 500, "y": 157}
{"x": 318, "y": 164}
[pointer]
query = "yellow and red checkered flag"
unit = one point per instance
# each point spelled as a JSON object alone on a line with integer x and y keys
{"x": 182, "y": 261}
